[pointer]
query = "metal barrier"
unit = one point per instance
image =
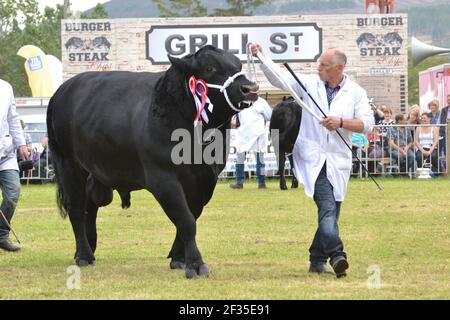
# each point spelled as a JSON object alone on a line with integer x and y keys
{"x": 42, "y": 167}
{"x": 382, "y": 155}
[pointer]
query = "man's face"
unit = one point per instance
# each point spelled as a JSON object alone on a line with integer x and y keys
{"x": 326, "y": 68}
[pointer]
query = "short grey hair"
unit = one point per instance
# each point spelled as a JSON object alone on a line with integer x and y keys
{"x": 339, "y": 57}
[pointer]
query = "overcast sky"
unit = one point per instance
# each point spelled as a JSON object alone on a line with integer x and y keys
{"x": 77, "y": 5}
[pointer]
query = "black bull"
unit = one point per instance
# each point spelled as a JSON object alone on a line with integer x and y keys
{"x": 286, "y": 118}
{"x": 112, "y": 131}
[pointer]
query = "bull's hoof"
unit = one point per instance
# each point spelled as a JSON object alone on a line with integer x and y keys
{"x": 201, "y": 271}
{"x": 283, "y": 187}
{"x": 83, "y": 262}
{"x": 294, "y": 185}
{"x": 177, "y": 265}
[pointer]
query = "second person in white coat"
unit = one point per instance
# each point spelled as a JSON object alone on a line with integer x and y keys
{"x": 251, "y": 137}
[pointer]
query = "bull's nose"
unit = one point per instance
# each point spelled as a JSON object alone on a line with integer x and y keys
{"x": 250, "y": 91}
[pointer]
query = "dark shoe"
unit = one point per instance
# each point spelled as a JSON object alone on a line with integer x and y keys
{"x": 339, "y": 265}
{"x": 262, "y": 186}
{"x": 7, "y": 245}
{"x": 236, "y": 186}
{"x": 320, "y": 268}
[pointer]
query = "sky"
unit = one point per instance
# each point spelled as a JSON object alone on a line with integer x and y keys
{"x": 77, "y": 5}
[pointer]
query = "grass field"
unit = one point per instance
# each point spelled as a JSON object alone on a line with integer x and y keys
{"x": 254, "y": 241}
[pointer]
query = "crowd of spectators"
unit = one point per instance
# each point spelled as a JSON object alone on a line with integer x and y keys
{"x": 406, "y": 141}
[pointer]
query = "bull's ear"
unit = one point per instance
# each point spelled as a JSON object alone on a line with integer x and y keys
{"x": 180, "y": 64}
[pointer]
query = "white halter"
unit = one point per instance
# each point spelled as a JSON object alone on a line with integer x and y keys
{"x": 223, "y": 88}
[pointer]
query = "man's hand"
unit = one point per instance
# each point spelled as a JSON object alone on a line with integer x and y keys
{"x": 402, "y": 151}
{"x": 255, "y": 48}
{"x": 23, "y": 151}
{"x": 331, "y": 123}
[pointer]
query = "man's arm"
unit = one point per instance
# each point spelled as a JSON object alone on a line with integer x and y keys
{"x": 15, "y": 129}
{"x": 274, "y": 72}
{"x": 333, "y": 123}
{"x": 362, "y": 122}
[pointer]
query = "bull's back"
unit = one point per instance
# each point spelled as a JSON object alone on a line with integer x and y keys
{"x": 94, "y": 117}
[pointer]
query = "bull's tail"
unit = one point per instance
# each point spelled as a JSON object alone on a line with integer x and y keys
{"x": 57, "y": 158}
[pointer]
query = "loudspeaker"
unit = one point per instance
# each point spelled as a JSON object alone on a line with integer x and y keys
{"x": 421, "y": 51}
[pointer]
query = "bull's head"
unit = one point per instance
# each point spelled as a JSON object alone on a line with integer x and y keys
{"x": 221, "y": 71}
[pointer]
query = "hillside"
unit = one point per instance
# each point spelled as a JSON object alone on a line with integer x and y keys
{"x": 146, "y": 8}
{"x": 435, "y": 31}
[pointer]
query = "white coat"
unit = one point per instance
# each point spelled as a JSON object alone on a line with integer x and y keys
{"x": 315, "y": 144}
{"x": 11, "y": 133}
{"x": 251, "y": 135}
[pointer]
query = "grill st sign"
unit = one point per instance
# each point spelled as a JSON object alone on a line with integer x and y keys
{"x": 291, "y": 42}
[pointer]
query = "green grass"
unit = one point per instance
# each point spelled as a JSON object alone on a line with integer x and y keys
{"x": 254, "y": 241}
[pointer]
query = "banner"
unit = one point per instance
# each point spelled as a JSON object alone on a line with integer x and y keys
{"x": 39, "y": 74}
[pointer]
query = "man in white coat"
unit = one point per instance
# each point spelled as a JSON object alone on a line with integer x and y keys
{"x": 322, "y": 161}
{"x": 251, "y": 137}
{"x": 11, "y": 138}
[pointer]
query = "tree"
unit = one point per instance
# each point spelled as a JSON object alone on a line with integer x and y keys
{"x": 26, "y": 26}
{"x": 16, "y": 12}
{"x": 99, "y": 12}
{"x": 180, "y": 8}
{"x": 239, "y": 8}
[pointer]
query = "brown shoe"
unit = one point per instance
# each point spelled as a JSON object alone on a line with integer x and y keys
{"x": 236, "y": 186}
{"x": 262, "y": 186}
{"x": 7, "y": 245}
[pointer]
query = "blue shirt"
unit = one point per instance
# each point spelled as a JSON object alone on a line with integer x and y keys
{"x": 332, "y": 92}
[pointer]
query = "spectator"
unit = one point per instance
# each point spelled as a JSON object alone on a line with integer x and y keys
{"x": 44, "y": 160}
{"x": 29, "y": 145}
{"x": 359, "y": 146}
{"x": 401, "y": 144}
{"x": 384, "y": 127}
{"x": 252, "y": 138}
{"x": 434, "y": 111}
{"x": 413, "y": 118}
{"x": 375, "y": 149}
{"x": 378, "y": 113}
{"x": 427, "y": 139}
{"x": 359, "y": 142}
{"x": 444, "y": 118}
{"x": 11, "y": 134}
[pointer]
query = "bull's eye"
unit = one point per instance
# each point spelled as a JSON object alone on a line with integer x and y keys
{"x": 210, "y": 69}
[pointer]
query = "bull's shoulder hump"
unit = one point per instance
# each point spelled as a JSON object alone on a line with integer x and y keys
{"x": 117, "y": 78}
{"x": 114, "y": 75}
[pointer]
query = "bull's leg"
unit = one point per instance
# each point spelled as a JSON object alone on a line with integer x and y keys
{"x": 173, "y": 201}
{"x": 177, "y": 252}
{"x": 281, "y": 164}
{"x": 74, "y": 182}
{"x": 97, "y": 195}
{"x": 83, "y": 254}
{"x": 294, "y": 179}
{"x": 91, "y": 225}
